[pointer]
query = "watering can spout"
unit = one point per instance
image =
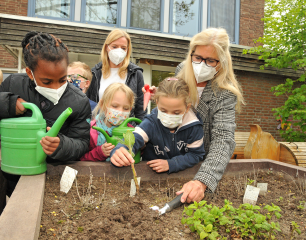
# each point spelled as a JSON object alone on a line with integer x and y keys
{"x": 59, "y": 123}
{"x": 107, "y": 137}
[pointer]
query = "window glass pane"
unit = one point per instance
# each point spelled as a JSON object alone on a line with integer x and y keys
{"x": 185, "y": 17}
{"x": 102, "y": 11}
{"x": 157, "y": 77}
{"x": 146, "y": 14}
{"x": 222, "y": 14}
{"x": 55, "y": 8}
{"x": 5, "y": 75}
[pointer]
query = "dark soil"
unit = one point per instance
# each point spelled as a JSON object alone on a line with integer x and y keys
{"x": 105, "y": 211}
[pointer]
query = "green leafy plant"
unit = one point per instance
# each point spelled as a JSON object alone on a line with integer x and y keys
{"x": 283, "y": 46}
{"x": 294, "y": 228}
{"x": 250, "y": 181}
{"x": 129, "y": 141}
{"x": 246, "y": 221}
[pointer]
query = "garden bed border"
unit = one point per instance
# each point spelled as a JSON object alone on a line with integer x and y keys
{"x": 22, "y": 215}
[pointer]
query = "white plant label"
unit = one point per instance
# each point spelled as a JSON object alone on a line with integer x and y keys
{"x": 67, "y": 179}
{"x": 251, "y": 195}
{"x": 133, "y": 187}
{"x": 263, "y": 188}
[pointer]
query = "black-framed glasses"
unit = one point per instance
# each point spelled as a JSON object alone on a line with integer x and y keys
{"x": 76, "y": 77}
{"x": 208, "y": 61}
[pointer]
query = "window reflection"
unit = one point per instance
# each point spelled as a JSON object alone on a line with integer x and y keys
{"x": 185, "y": 17}
{"x": 55, "y": 8}
{"x": 146, "y": 14}
{"x": 102, "y": 11}
{"x": 222, "y": 14}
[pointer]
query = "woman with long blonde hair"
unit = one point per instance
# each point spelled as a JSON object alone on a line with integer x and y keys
{"x": 115, "y": 67}
{"x": 216, "y": 95}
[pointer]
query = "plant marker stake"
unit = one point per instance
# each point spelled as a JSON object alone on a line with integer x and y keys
{"x": 146, "y": 96}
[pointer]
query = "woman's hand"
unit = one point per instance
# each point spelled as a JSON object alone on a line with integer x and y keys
{"x": 49, "y": 144}
{"x": 122, "y": 158}
{"x": 20, "y": 109}
{"x": 158, "y": 165}
{"x": 193, "y": 191}
{"x": 153, "y": 90}
{"x": 107, "y": 148}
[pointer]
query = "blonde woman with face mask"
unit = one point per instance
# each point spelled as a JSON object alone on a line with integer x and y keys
{"x": 215, "y": 94}
{"x": 116, "y": 67}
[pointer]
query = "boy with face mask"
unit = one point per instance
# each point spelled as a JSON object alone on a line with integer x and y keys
{"x": 80, "y": 75}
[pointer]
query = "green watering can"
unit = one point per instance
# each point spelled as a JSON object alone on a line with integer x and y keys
{"x": 21, "y": 151}
{"x": 118, "y": 132}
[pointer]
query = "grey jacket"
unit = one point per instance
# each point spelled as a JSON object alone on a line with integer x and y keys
{"x": 134, "y": 81}
{"x": 217, "y": 110}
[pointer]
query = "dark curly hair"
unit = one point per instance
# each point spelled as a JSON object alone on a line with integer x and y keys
{"x": 42, "y": 46}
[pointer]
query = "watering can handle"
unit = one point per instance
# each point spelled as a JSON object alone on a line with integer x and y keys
{"x": 132, "y": 119}
{"x": 36, "y": 113}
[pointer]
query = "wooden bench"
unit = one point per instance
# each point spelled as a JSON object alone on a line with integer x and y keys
{"x": 293, "y": 153}
{"x": 241, "y": 139}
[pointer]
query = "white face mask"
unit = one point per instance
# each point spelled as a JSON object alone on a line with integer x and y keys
{"x": 202, "y": 72}
{"x": 169, "y": 120}
{"x": 115, "y": 117}
{"x": 116, "y": 55}
{"x": 54, "y": 95}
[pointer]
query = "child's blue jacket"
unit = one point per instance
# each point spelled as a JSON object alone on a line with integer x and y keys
{"x": 182, "y": 149}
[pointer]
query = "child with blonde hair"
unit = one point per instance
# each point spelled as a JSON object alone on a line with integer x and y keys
{"x": 113, "y": 108}
{"x": 172, "y": 133}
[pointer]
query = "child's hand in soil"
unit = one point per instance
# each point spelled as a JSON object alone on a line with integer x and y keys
{"x": 107, "y": 148}
{"x": 122, "y": 158}
{"x": 158, "y": 165}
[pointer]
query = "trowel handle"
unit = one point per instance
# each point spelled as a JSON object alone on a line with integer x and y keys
{"x": 176, "y": 202}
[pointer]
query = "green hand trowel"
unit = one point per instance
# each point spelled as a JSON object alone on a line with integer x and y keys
{"x": 21, "y": 151}
{"x": 118, "y": 133}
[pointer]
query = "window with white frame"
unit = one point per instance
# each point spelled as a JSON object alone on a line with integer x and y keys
{"x": 54, "y": 9}
{"x": 185, "y": 17}
{"x": 225, "y": 14}
{"x": 146, "y": 14}
{"x": 178, "y": 17}
{"x": 101, "y": 11}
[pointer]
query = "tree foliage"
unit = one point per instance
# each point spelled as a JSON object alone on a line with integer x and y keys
{"x": 284, "y": 46}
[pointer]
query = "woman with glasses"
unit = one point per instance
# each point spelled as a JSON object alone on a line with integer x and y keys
{"x": 116, "y": 67}
{"x": 216, "y": 95}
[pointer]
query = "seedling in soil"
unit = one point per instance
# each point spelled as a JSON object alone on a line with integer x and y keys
{"x": 280, "y": 199}
{"x": 212, "y": 222}
{"x": 250, "y": 181}
{"x": 294, "y": 227}
{"x": 129, "y": 141}
{"x": 302, "y": 205}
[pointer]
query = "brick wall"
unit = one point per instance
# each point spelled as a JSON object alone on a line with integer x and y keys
{"x": 14, "y": 7}
{"x": 251, "y": 26}
{"x": 260, "y": 101}
{"x": 7, "y": 60}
